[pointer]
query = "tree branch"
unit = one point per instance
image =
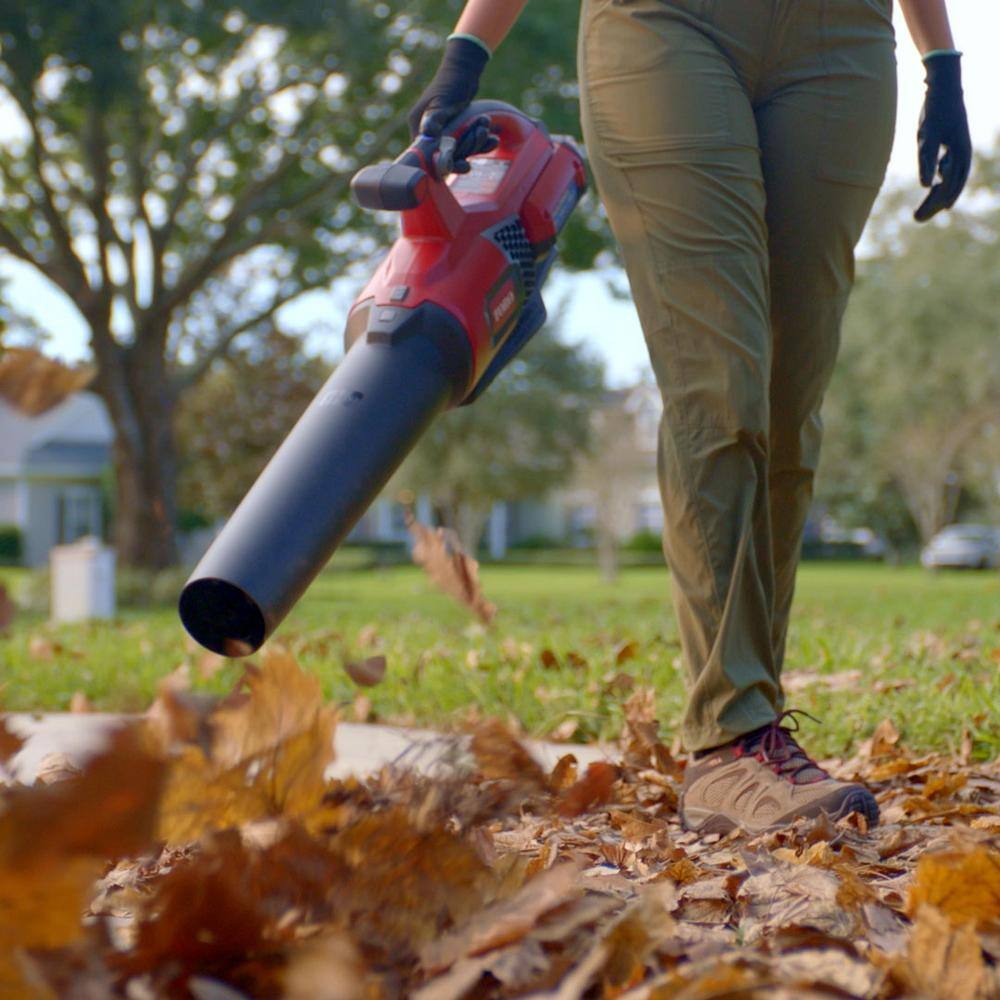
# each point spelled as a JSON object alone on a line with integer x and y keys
{"x": 193, "y": 373}
{"x": 137, "y": 177}
{"x": 252, "y": 99}
{"x": 222, "y": 250}
{"x": 10, "y": 243}
{"x": 74, "y": 268}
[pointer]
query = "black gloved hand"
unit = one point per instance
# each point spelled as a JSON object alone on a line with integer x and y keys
{"x": 476, "y": 138}
{"x": 943, "y": 123}
{"x": 451, "y": 91}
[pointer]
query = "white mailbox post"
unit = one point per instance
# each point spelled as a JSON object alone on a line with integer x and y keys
{"x": 83, "y": 581}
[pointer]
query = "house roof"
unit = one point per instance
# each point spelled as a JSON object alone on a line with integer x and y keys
{"x": 75, "y": 433}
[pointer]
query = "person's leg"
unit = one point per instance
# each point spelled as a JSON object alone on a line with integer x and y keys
{"x": 825, "y": 124}
{"x": 824, "y": 109}
{"x": 673, "y": 146}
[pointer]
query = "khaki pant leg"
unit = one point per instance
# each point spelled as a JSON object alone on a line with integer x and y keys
{"x": 673, "y": 147}
{"x": 824, "y": 152}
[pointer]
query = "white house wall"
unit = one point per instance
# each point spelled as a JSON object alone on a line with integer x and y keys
{"x": 42, "y": 529}
{"x": 9, "y": 512}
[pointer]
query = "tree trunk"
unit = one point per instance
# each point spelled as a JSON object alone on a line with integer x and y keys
{"x": 468, "y": 521}
{"x": 135, "y": 387}
{"x": 923, "y": 462}
{"x": 471, "y": 523}
{"x": 607, "y": 554}
{"x": 145, "y": 506}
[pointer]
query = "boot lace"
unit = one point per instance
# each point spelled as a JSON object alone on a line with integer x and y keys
{"x": 775, "y": 746}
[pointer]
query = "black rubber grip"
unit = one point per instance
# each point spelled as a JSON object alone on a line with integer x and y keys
{"x": 391, "y": 187}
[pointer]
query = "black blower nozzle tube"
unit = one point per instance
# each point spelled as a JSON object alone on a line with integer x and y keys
{"x": 366, "y": 419}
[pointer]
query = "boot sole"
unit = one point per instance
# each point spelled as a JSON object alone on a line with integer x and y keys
{"x": 860, "y": 801}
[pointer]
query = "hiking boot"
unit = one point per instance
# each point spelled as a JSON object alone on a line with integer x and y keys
{"x": 765, "y": 780}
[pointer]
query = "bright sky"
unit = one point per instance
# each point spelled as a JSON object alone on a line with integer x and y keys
{"x": 594, "y": 318}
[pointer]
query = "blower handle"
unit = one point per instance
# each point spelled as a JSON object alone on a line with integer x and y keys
{"x": 405, "y": 183}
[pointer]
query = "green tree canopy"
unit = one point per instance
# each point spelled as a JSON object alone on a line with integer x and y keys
{"x": 231, "y": 423}
{"x": 918, "y": 386}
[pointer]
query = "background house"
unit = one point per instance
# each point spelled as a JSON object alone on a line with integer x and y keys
{"x": 51, "y": 467}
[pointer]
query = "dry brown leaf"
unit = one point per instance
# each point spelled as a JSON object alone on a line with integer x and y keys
{"x": 42, "y": 648}
{"x": 209, "y": 664}
{"x": 207, "y": 906}
{"x": 799, "y": 680}
{"x": 33, "y": 383}
{"x": 548, "y": 659}
{"x": 55, "y": 767}
{"x": 107, "y": 811}
{"x": 368, "y": 636}
{"x": 8, "y": 609}
{"x": 964, "y": 886}
{"x": 79, "y": 703}
{"x": 285, "y": 779}
{"x": 641, "y": 707}
{"x": 564, "y": 773}
{"x": 707, "y": 900}
{"x": 566, "y": 730}
{"x": 781, "y": 894}
{"x": 440, "y": 553}
{"x": 325, "y": 968}
{"x": 500, "y": 756}
{"x": 619, "y": 684}
{"x": 637, "y": 828}
{"x": 40, "y": 907}
{"x": 504, "y": 922}
{"x": 407, "y": 881}
{"x": 965, "y": 747}
{"x": 593, "y": 789}
{"x": 10, "y": 742}
{"x": 884, "y": 739}
{"x": 258, "y": 753}
{"x": 943, "y": 961}
{"x": 627, "y": 650}
{"x": 281, "y": 700}
{"x": 361, "y": 707}
{"x": 367, "y": 672}
{"x": 683, "y": 871}
{"x": 630, "y": 942}
{"x": 179, "y": 715}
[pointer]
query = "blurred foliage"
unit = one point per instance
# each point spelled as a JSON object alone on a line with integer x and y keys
{"x": 230, "y": 424}
{"x": 520, "y": 439}
{"x": 11, "y": 544}
{"x": 913, "y": 414}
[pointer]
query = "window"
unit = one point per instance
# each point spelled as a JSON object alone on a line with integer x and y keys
{"x": 78, "y": 513}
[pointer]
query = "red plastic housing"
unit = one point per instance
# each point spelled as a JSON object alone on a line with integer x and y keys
{"x": 470, "y": 244}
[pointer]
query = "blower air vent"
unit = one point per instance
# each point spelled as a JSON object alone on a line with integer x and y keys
{"x": 511, "y": 238}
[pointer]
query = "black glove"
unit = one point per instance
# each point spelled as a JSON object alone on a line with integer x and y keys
{"x": 451, "y": 91}
{"x": 943, "y": 123}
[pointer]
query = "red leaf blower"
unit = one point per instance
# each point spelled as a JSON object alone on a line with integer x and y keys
{"x": 453, "y": 302}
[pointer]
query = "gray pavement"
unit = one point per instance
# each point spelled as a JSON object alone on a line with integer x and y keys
{"x": 358, "y": 748}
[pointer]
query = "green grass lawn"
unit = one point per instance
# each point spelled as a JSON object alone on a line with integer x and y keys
{"x": 927, "y": 646}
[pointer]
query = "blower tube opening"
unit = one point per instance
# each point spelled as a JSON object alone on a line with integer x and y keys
{"x": 222, "y": 617}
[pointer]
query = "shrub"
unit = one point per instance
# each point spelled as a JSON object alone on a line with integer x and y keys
{"x": 138, "y": 588}
{"x": 536, "y": 542}
{"x": 644, "y": 541}
{"x": 10, "y": 544}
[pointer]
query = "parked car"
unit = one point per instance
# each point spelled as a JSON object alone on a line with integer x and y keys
{"x": 963, "y": 546}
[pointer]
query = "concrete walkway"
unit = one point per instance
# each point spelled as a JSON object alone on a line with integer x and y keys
{"x": 359, "y": 748}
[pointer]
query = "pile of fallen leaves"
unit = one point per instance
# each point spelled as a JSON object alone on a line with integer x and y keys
{"x": 204, "y": 854}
